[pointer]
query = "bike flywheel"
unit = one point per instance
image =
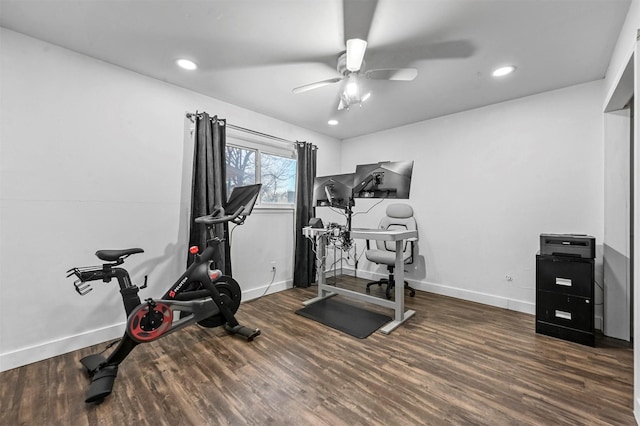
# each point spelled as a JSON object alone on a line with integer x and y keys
{"x": 231, "y": 296}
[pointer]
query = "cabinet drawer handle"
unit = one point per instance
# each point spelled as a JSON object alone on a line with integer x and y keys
{"x": 563, "y": 281}
{"x": 563, "y": 315}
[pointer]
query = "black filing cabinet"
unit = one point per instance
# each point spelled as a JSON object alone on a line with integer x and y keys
{"x": 565, "y": 298}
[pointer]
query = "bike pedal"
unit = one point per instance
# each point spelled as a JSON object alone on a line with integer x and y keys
{"x": 82, "y": 288}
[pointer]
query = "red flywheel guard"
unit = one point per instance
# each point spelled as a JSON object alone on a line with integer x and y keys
{"x": 138, "y": 334}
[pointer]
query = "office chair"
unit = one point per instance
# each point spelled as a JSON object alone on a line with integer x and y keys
{"x": 398, "y": 216}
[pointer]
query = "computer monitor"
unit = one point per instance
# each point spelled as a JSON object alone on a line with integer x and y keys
{"x": 383, "y": 180}
{"x": 243, "y": 196}
{"x": 332, "y": 191}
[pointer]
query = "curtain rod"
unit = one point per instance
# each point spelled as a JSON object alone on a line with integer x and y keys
{"x": 191, "y": 116}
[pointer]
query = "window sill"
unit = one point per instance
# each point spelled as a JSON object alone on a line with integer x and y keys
{"x": 274, "y": 207}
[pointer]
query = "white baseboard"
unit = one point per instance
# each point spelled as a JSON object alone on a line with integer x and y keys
{"x": 598, "y": 322}
{"x": 36, "y": 353}
{"x": 266, "y": 289}
{"x": 472, "y": 296}
{"x": 459, "y": 293}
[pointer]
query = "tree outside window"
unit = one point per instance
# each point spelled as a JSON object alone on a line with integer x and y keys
{"x": 241, "y": 167}
{"x": 278, "y": 178}
{"x": 277, "y": 174}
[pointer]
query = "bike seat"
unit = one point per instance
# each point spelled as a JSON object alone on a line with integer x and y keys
{"x": 113, "y": 255}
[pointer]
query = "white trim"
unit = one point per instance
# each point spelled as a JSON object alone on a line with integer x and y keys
{"x": 623, "y": 73}
{"x": 636, "y": 225}
{"x": 53, "y": 348}
{"x": 273, "y": 208}
{"x": 255, "y": 138}
{"x": 262, "y": 145}
{"x": 463, "y": 294}
{"x": 256, "y": 293}
{"x": 460, "y": 293}
{"x": 622, "y": 91}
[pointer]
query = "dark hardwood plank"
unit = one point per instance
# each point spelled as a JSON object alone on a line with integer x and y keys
{"x": 454, "y": 362}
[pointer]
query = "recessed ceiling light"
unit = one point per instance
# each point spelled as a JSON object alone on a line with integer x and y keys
{"x": 502, "y": 71}
{"x": 332, "y": 122}
{"x": 186, "y": 64}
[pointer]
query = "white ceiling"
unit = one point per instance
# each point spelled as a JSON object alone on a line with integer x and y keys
{"x": 252, "y": 53}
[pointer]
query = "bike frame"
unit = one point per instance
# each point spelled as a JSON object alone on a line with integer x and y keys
{"x": 196, "y": 304}
{"x": 195, "y": 295}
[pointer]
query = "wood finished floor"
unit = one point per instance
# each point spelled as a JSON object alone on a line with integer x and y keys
{"x": 454, "y": 362}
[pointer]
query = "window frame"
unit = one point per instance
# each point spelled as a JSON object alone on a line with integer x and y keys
{"x": 266, "y": 146}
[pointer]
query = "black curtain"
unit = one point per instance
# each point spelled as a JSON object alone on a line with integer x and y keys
{"x": 304, "y": 272}
{"x": 209, "y": 189}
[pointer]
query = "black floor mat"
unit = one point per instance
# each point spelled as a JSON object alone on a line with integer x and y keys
{"x": 347, "y": 318}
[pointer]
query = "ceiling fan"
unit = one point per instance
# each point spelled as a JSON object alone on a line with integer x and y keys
{"x": 351, "y": 67}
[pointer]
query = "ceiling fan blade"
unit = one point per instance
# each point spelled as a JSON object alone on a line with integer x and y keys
{"x": 397, "y": 74}
{"x": 358, "y": 16}
{"x": 355, "y": 54}
{"x": 405, "y": 56}
{"x": 316, "y": 85}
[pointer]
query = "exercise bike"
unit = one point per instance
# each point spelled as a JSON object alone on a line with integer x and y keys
{"x": 202, "y": 295}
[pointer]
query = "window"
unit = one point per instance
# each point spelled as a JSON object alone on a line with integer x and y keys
{"x": 241, "y": 167}
{"x": 278, "y": 178}
{"x": 276, "y": 172}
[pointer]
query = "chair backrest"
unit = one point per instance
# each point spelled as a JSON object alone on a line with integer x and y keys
{"x": 398, "y": 217}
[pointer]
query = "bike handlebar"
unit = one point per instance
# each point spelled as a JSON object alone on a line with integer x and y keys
{"x": 90, "y": 273}
{"x": 213, "y": 220}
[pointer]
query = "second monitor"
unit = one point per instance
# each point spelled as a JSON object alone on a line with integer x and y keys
{"x": 383, "y": 180}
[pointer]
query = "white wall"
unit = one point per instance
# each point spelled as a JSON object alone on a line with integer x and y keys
{"x": 487, "y": 182}
{"x": 94, "y": 156}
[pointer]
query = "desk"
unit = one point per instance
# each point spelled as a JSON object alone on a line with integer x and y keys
{"x": 325, "y": 291}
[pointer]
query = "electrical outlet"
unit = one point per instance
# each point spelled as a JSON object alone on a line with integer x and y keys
{"x": 508, "y": 277}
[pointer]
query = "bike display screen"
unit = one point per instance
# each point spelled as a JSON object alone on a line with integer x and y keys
{"x": 243, "y": 196}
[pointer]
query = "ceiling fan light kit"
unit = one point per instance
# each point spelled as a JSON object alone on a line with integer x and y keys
{"x": 351, "y": 94}
{"x": 352, "y": 85}
{"x": 347, "y": 100}
{"x": 350, "y": 65}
